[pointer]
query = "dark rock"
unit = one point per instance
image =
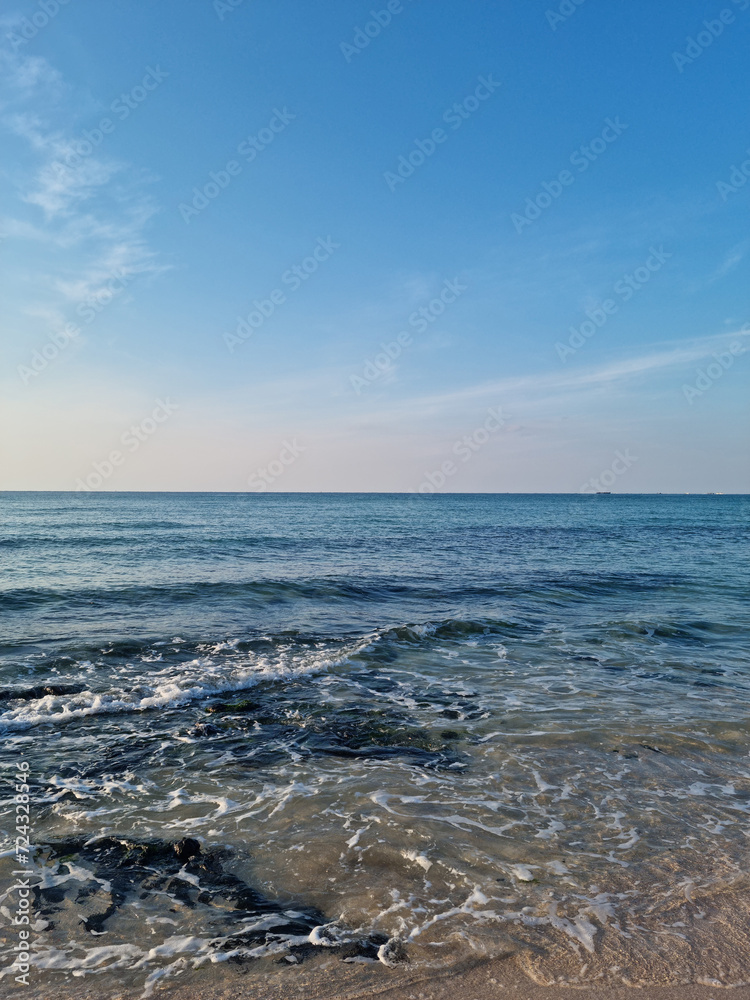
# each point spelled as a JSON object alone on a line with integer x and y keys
{"x": 393, "y": 952}
{"x": 315, "y": 729}
{"x": 187, "y": 848}
{"x": 135, "y": 869}
{"x": 201, "y": 729}
{"x": 41, "y": 691}
{"x": 236, "y": 707}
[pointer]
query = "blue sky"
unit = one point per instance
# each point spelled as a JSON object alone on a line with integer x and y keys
{"x": 570, "y": 216}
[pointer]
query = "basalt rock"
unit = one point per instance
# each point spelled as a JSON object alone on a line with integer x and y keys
{"x": 313, "y": 730}
{"x": 125, "y": 870}
{"x": 41, "y": 691}
{"x": 133, "y": 868}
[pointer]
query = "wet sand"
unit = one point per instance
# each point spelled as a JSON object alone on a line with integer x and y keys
{"x": 332, "y": 981}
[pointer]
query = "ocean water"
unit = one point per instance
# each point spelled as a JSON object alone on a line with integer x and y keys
{"x": 382, "y": 729}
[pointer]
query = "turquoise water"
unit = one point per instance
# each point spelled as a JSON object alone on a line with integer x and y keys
{"x": 390, "y": 727}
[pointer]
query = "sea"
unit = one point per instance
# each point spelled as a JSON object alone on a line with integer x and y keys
{"x": 265, "y": 731}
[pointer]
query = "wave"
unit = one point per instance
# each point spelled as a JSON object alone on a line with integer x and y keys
{"x": 267, "y": 591}
{"x": 262, "y": 591}
{"x": 179, "y": 684}
{"x": 144, "y": 675}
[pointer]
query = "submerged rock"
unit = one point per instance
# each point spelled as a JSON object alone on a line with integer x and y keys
{"x": 314, "y": 730}
{"x": 233, "y": 707}
{"x": 41, "y": 691}
{"x": 125, "y": 871}
{"x": 201, "y": 729}
{"x": 187, "y": 848}
{"x": 393, "y": 952}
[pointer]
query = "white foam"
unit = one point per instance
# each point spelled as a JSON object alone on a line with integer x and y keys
{"x": 86, "y": 789}
{"x": 176, "y": 945}
{"x": 177, "y": 688}
{"x": 476, "y": 898}
{"x": 558, "y": 868}
{"x": 169, "y": 970}
{"x": 523, "y": 872}
{"x": 353, "y": 841}
{"x": 580, "y": 929}
{"x": 418, "y": 859}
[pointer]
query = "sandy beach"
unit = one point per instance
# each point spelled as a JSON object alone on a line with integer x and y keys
{"x": 332, "y": 981}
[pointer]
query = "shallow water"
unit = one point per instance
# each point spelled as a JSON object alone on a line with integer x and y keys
{"x": 393, "y": 729}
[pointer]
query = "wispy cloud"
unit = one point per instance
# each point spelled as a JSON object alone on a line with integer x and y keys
{"x": 93, "y": 206}
{"x": 27, "y": 76}
{"x": 541, "y": 398}
{"x": 732, "y": 259}
{"x": 540, "y": 389}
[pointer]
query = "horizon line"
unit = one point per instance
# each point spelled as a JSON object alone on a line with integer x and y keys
{"x": 398, "y": 493}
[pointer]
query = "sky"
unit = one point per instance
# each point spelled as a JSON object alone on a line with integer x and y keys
{"x": 415, "y": 246}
